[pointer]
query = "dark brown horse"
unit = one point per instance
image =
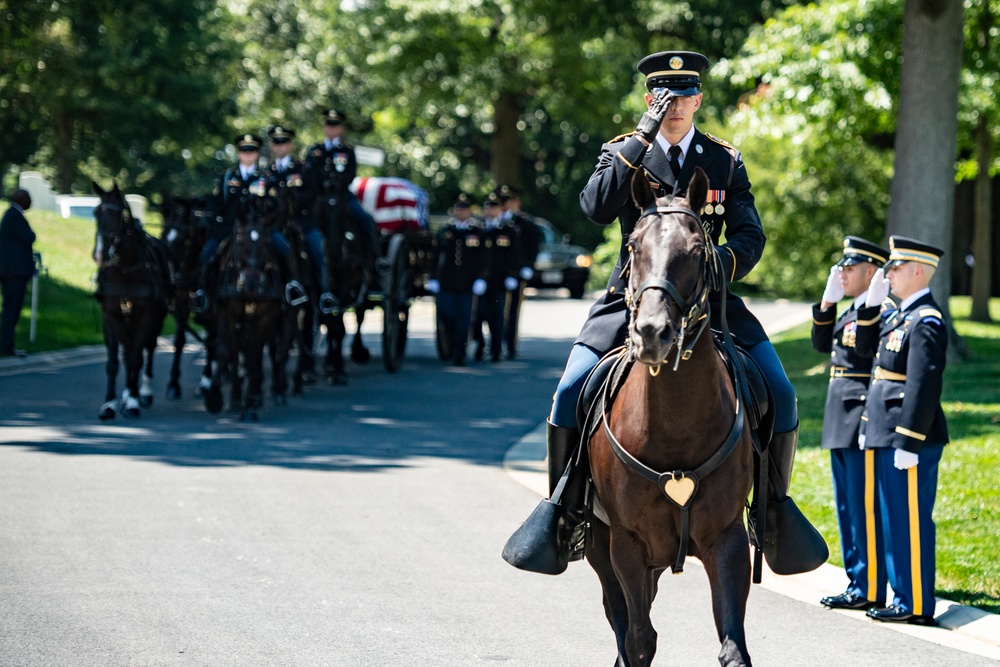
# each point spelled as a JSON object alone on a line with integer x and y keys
{"x": 133, "y": 286}
{"x": 672, "y": 463}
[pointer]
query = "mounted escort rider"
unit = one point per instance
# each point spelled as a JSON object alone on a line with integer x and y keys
{"x": 233, "y": 191}
{"x": 284, "y": 174}
{"x": 667, "y": 147}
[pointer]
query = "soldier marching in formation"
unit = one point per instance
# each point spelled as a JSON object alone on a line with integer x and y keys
{"x": 504, "y": 260}
{"x": 529, "y": 241}
{"x": 853, "y": 468}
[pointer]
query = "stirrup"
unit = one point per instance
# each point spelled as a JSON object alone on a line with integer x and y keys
{"x": 295, "y": 293}
{"x": 199, "y": 301}
{"x": 328, "y": 304}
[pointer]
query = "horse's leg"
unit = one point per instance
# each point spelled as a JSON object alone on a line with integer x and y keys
{"x": 628, "y": 557}
{"x": 335, "y": 334}
{"x": 728, "y": 571}
{"x": 237, "y": 362}
{"x": 253, "y": 363}
{"x": 599, "y": 557}
{"x": 180, "y": 340}
{"x": 280, "y": 346}
{"x": 132, "y": 352}
{"x": 146, "y": 386}
{"x": 219, "y": 366}
{"x": 108, "y": 410}
{"x": 359, "y": 353}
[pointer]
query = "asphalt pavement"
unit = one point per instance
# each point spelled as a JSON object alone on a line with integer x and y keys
{"x": 359, "y": 525}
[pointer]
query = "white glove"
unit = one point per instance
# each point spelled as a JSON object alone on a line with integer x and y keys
{"x": 527, "y": 272}
{"x": 878, "y": 289}
{"x": 433, "y": 286}
{"x": 479, "y": 287}
{"x": 510, "y": 282}
{"x": 834, "y": 291}
{"x": 904, "y": 460}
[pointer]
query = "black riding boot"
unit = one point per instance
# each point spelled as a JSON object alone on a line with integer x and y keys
{"x": 562, "y": 444}
{"x": 328, "y": 303}
{"x": 295, "y": 293}
{"x": 202, "y": 297}
{"x": 791, "y": 544}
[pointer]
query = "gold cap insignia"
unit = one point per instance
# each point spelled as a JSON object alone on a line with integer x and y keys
{"x": 676, "y": 62}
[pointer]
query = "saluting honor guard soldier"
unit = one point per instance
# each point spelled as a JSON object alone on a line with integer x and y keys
{"x": 530, "y": 241}
{"x": 285, "y": 175}
{"x": 665, "y": 148}
{"x": 234, "y": 190}
{"x": 853, "y": 469}
{"x": 903, "y": 421}
{"x": 458, "y": 274}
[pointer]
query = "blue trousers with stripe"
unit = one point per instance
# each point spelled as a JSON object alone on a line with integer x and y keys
{"x": 907, "y": 501}
{"x": 855, "y": 494}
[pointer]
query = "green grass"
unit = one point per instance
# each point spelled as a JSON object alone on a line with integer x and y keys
{"x": 68, "y": 315}
{"x": 967, "y": 511}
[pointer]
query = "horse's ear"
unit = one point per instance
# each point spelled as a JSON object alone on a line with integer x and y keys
{"x": 97, "y": 188}
{"x": 642, "y": 194}
{"x": 117, "y": 190}
{"x": 697, "y": 189}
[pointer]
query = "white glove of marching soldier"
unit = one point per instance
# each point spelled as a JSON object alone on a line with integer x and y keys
{"x": 510, "y": 283}
{"x": 834, "y": 291}
{"x": 479, "y": 287}
{"x": 878, "y": 289}
{"x": 527, "y": 272}
{"x": 904, "y": 460}
{"x": 433, "y": 286}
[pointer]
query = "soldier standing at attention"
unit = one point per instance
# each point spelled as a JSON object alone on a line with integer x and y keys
{"x": 459, "y": 269}
{"x": 330, "y": 167}
{"x": 530, "y": 241}
{"x": 503, "y": 260}
{"x": 233, "y": 191}
{"x": 284, "y": 174}
{"x": 853, "y": 469}
{"x": 903, "y": 421}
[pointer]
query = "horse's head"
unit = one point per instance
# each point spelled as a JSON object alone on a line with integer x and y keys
{"x": 184, "y": 229}
{"x": 118, "y": 235}
{"x": 671, "y": 264}
{"x": 251, "y": 249}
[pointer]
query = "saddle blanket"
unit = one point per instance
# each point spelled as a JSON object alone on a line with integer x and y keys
{"x": 397, "y": 205}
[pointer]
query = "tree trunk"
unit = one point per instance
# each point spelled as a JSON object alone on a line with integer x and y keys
{"x": 505, "y": 144}
{"x": 923, "y": 186}
{"x": 982, "y": 235}
{"x": 65, "y": 163}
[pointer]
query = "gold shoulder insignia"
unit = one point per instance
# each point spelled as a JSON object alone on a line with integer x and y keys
{"x": 721, "y": 142}
{"x": 621, "y": 137}
{"x": 930, "y": 312}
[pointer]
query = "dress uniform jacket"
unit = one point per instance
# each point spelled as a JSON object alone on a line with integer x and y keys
{"x": 330, "y": 171}
{"x": 459, "y": 257}
{"x": 903, "y": 409}
{"x": 295, "y": 193}
{"x": 849, "y": 376}
{"x": 530, "y": 238}
{"x": 231, "y": 192}
{"x": 503, "y": 255}
{"x": 608, "y": 196}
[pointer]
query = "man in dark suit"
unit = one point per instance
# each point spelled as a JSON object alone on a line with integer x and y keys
{"x": 665, "y": 148}
{"x": 17, "y": 266}
{"x": 853, "y": 468}
{"x": 903, "y": 421}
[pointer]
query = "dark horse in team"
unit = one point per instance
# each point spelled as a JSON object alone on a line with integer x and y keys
{"x": 249, "y": 312}
{"x": 184, "y": 232}
{"x": 671, "y": 454}
{"x": 133, "y": 288}
{"x": 350, "y": 262}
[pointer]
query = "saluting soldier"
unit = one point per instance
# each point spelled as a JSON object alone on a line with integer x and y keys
{"x": 503, "y": 261}
{"x": 903, "y": 421}
{"x": 530, "y": 242}
{"x": 233, "y": 191}
{"x": 285, "y": 175}
{"x": 330, "y": 167}
{"x": 665, "y": 148}
{"x": 853, "y": 469}
{"x": 459, "y": 273}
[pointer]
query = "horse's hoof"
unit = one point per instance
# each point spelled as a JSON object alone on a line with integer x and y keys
{"x": 308, "y": 378}
{"x": 234, "y": 409}
{"x": 132, "y": 413}
{"x": 280, "y": 400}
{"x": 213, "y": 401}
{"x": 174, "y": 392}
{"x": 146, "y": 400}
{"x": 107, "y": 413}
{"x": 337, "y": 379}
{"x": 361, "y": 355}
{"x": 297, "y": 390}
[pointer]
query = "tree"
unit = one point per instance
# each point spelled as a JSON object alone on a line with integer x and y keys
{"x": 923, "y": 185}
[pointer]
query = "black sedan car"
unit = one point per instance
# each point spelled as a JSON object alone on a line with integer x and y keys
{"x": 560, "y": 264}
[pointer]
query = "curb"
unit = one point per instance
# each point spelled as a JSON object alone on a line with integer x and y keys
{"x": 959, "y": 627}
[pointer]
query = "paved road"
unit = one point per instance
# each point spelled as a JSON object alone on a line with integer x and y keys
{"x": 359, "y": 525}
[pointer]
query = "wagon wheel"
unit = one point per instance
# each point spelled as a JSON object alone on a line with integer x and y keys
{"x": 396, "y": 306}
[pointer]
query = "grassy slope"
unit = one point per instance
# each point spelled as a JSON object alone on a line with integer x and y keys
{"x": 967, "y": 511}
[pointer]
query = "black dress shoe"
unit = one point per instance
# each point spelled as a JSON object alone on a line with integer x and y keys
{"x": 14, "y": 353}
{"x": 848, "y": 601}
{"x": 896, "y": 614}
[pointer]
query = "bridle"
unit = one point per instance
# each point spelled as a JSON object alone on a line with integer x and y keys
{"x": 125, "y": 228}
{"x": 694, "y": 311}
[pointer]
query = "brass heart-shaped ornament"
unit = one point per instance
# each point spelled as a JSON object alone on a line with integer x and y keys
{"x": 679, "y": 490}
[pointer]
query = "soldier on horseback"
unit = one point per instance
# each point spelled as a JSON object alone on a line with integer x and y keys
{"x": 233, "y": 191}
{"x": 285, "y": 175}
{"x": 666, "y": 147}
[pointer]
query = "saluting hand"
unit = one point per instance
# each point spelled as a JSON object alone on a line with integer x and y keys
{"x": 878, "y": 289}
{"x": 834, "y": 291}
{"x": 650, "y": 122}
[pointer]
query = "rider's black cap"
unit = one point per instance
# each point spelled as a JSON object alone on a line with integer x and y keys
{"x": 857, "y": 250}
{"x": 678, "y": 71}
{"x": 903, "y": 249}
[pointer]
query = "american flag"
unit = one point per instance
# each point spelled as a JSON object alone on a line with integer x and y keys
{"x": 395, "y": 203}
